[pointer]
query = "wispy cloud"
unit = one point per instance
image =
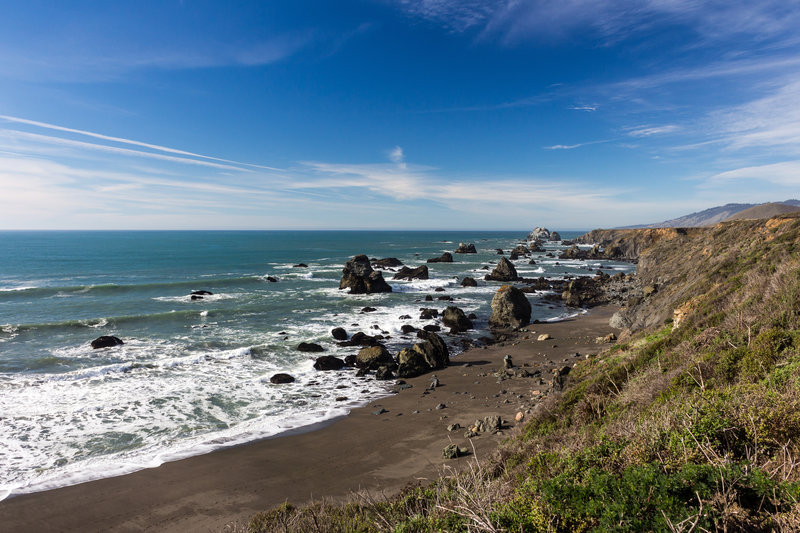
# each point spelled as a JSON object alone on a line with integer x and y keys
{"x": 786, "y": 173}
{"x": 647, "y": 131}
{"x": 120, "y": 140}
{"x": 573, "y": 146}
{"x": 397, "y": 157}
{"x": 771, "y": 122}
{"x": 584, "y": 108}
{"x": 513, "y": 21}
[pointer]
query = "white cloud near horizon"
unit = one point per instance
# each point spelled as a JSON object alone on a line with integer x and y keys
{"x": 55, "y": 182}
{"x": 785, "y": 174}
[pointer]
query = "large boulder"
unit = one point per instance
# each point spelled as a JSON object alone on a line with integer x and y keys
{"x": 340, "y": 334}
{"x": 455, "y": 319}
{"x": 510, "y": 308}
{"x": 359, "y": 277}
{"x": 329, "y": 362}
{"x": 504, "y": 271}
{"x": 106, "y": 341}
{"x": 469, "y": 282}
{"x": 387, "y": 262}
{"x": 423, "y": 357}
{"x": 421, "y": 272}
{"x": 446, "y": 257}
{"x": 466, "y": 248}
{"x": 281, "y": 378}
{"x": 373, "y": 357}
{"x": 555, "y": 236}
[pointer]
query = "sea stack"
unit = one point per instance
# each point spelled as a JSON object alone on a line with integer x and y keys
{"x": 359, "y": 277}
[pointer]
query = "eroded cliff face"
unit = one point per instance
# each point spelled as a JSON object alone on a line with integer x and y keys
{"x": 632, "y": 242}
{"x": 678, "y": 266}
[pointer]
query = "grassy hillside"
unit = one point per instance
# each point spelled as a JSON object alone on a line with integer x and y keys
{"x": 765, "y": 211}
{"x": 691, "y": 424}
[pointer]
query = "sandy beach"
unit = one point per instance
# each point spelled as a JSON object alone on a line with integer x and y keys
{"x": 381, "y": 447}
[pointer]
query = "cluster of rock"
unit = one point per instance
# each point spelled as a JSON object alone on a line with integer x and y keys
{"x": 543, "y": 234}
{"x": 466, "y": 248}
{"x": 360, "y": 278}
{"x": 431, "y": 353}
{"x": 609, "y": 252}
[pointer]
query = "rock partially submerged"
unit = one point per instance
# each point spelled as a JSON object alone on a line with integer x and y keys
{"x": 329, "y": 362}
{"x": 469, "y": 282}
{"x": 106, "y": 341}
{"x": 281, "y": 378}
{"x": 446, "y": 257}
{"x": 309, "y": 347}
{"x": 510, "y": 308}
{"x": 387, "y": 262}
{"x": 504, "y": 271}
{"x": 421, "y": 272}
{"x": 359, "y": 277}
{"x": 466, "y": 248}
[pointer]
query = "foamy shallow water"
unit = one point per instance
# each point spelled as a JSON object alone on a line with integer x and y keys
{"x": 193, "y": 376}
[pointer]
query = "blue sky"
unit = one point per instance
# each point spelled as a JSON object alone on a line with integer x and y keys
{"x": 409, "y": 114}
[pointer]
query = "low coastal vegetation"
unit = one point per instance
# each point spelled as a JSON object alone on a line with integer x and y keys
{"x": 691, "y": 422}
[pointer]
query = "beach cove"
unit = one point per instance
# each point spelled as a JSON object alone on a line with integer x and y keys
{"x": 380, "y": 453}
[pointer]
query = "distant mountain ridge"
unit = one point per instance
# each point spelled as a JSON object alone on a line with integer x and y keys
{"x": 713, "y": 215}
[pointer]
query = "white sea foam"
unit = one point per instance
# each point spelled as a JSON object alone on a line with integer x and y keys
{"x": 16, "y": 289}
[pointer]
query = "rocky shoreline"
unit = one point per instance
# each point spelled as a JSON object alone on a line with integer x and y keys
{"x": 443, "y": 409}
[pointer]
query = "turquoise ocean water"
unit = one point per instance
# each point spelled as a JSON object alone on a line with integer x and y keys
{"x": 193, "y": 376}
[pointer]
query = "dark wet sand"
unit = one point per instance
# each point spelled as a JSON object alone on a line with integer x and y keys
{"x": 362, "y": 451}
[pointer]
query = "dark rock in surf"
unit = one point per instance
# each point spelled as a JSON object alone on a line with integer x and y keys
{"x": 340, "y": 334}
{"x": 309, "y": 347}
{"x": 203, "y": 293}
{"x": 281, "y": 378}
{"x": 469, "y": 282}
{"x": 504, "y": 271}
{"x": 446, "y": 257}
{"x": 466, "y": 248}
{"x": 106, "y": 341}
{"x": 359, "y": 277}
{"x": 328, "y": 362}
{"x": 388, "y": 262}
{"x": 300, "y": 265}
{"x": 421, "y": 272}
